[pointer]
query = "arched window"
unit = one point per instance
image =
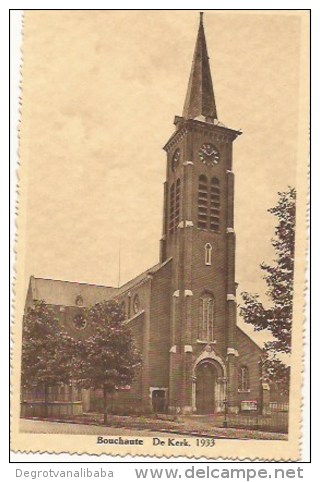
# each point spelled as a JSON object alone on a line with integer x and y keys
{"x": 208, "y": 254}
{"x": 174, "y": 209}
{"x": 206, "y": 317}
{"x": 203, "y": 202}
{"x": 79, "y": 300}
{"x": 171, "y": 215}
{"x": 214, "y": 204}
{"x": 244, "y": 384}
{"x": 129, "y": 305}
{"x": 136, "y": 304}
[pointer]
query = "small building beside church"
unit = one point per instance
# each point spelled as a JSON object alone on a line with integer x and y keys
{"x": 182, "y": 311}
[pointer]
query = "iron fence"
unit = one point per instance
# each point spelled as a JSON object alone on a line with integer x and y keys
{"x": 56, "y": 402}
{"x": 273, "y": 422}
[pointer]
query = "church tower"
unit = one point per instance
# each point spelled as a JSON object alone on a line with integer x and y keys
{"x": 198, "y": 234}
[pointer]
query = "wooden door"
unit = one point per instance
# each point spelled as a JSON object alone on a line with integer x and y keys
{"x": 158, "y": 401}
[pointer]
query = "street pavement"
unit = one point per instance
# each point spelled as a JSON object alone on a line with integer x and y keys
{"x": 39, "y": 426}
{"x": 43, "y": 426}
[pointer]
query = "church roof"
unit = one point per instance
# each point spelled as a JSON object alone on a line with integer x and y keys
{"x": 72, "y": 293}
{"x": 141, "y": 277}
{"x": 200, "y": 101}
{"x": 242, "y": 332}
{"x": 69, "y": 293}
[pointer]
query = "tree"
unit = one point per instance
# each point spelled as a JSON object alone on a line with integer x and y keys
{"x": 277, "y": 317}
{"x": 277, "y": 374}
{"x": 48, "y": 353}
{"x": 109, "y": 358}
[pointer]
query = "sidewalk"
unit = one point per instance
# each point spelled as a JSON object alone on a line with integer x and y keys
{"x": 191, "y": 426}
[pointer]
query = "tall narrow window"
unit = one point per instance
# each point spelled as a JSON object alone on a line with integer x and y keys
{"x": 206, "y": 317}
{"x": 208, "y": 254}
{"x": 174, "y": 206}
{"x": 214, "y": 204}
{"x": 203, "y": 202}
{"x": 171, "y": 215}
{"x": 177, "y": 205}
{"x": 244, "y": 385}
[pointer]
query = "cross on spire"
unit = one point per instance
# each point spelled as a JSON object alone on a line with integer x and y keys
{"x": 200, "y": 97}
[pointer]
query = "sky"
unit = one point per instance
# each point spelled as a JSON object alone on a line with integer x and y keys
{"x": 100, "y": 90}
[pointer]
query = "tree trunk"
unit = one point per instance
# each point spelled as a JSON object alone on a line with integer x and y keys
{"x": 105, "y": 406}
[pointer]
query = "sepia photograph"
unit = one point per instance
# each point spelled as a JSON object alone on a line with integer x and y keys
{"x": 162, "y": 236}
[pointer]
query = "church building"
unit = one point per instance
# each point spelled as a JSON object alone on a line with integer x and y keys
{"x": 183, "y": 310}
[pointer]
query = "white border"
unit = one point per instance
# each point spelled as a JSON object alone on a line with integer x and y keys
{"x": 4, "y": 189}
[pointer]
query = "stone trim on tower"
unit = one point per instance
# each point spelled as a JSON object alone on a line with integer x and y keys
{"x": 232, "y": 351}
{"x": 231, "y": 297}
{"x": 188, "y": 163}
{"x": 188, "y": 293}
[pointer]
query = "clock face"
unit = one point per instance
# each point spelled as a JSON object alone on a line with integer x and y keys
{"x": 175, "y": 160}
{"x": 209, "y": 154}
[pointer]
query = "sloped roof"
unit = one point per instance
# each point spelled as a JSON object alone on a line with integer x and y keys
{"x": 141, "y": 277}
{"x": 243, "y": 333}
{"x": 65, "y": 293}
{"x": 200, "y": 99}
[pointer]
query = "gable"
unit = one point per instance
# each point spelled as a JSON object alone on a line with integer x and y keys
{"x": 244, "y": 339}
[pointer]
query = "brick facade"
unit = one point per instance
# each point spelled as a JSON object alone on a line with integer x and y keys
{"x": 183, "y": 310}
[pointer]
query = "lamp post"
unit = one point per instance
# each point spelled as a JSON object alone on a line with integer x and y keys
{"x": 261, "y": 363}
{"x": 175, "y": 409}
{"x": 225, "y": 402}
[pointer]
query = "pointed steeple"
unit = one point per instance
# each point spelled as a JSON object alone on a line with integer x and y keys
{"x": 200, "y": 97}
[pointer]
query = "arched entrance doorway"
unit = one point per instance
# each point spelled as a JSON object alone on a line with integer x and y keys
{"x": 206, "y": 374}
{"x": 208, "y": 382}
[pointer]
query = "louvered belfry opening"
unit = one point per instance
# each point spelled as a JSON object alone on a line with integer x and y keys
{"x": 177, "y": 206}
{"x": 174, "y": 214}
{"x": 215, "y": 205}
{"x": 208, "y": 203}
{"x": 203, "y": 202}
{"x": 171, "y": 216}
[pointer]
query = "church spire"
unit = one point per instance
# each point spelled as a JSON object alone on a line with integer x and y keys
{"x": 200, "y": 97}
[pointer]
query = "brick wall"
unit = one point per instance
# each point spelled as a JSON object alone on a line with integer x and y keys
{"x": 249, "y": 356}
{"x": 159, "y": 346}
